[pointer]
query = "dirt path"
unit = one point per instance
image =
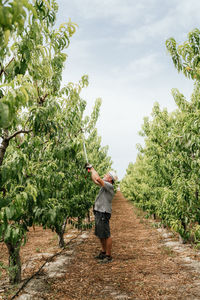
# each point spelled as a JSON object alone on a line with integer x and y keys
{"x": 143, "y": 266}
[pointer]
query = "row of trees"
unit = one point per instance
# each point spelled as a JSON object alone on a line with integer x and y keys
{"x": 42, "y": 127}
{"x": 164, "y": 180}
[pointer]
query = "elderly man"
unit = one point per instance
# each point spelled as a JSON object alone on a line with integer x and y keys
{"x": 102, "y": 212}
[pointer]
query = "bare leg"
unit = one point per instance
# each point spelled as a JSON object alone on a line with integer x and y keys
{"x": 103, "y": 244}
{"x": 108, "y": 247}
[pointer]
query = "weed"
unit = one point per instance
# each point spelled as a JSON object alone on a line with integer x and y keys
{"x": 156, "y": 225}
{"x": 197, "y": 246}
{"x": 167, "y": 250}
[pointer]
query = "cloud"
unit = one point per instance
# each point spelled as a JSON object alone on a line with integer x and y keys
{"x": 187, "y": 12}
{"x": 153, "y": 30}
{"x": 147, "y": 15}
{"x": 117, "y": 10}
{"x": 139, "y": 69}
{"x": 180, "y": 17}
{"x": 120, "y": 44}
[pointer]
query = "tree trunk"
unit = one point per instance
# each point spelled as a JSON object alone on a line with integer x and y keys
{"x": 88, "y": 216}
{"x": 4, "y": 146}
{"x": 182, "y": 239}
{"x": 14, "y": 263}
{"x": 154, "y": 216}
{"x": 79, "y": 223}
{"x": 61, "y": 241}
{"x": 60, "y": 234}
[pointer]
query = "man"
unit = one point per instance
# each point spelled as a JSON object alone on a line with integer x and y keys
{"x": 102, "y": 212}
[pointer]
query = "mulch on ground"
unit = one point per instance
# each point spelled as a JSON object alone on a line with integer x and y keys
{"x": 39, "y": 241}
{"x": 142, "y": 267}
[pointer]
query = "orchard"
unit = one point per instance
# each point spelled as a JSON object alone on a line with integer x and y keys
{"x": 42, "y": 175}
{"x": 46, "y": 139}
{"x": 164, "y": 180}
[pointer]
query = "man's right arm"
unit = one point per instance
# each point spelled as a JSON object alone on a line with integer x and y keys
{"x": 96, "y": 178}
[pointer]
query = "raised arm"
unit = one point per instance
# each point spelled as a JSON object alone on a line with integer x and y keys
{"x": 95, "y": 177}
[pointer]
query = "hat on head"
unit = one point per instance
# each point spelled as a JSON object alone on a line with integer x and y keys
{"x": 113, "y": 175}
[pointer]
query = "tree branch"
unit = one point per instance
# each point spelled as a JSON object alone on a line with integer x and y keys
{"x": 42, "y": 99}
{"x": 3, "y": 70}
{"x": 9, "y": 62}
{"x": 18, "y": 132}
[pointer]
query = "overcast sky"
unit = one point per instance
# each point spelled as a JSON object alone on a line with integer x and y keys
{"x": 120, "y": 44}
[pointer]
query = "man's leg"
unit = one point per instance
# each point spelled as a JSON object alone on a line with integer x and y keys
{"x": 108, "y": 244}
{"x": 108, "y": 257}
{"x": 103, "y": 245}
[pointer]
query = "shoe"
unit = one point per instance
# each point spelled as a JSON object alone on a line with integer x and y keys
{"x": 101, "y": 255}
{"x": 106, "y": 259}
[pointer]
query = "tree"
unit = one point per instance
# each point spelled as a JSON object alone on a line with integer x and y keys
{"x": 64, "y": 189}
{"x": 164, "y": 181}
{"x": 42, "y": 175}
{"x": 186, "y": 57}
{"x": 32, "y": 61}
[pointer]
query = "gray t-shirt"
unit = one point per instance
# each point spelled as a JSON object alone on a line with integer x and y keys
{"x": 103, "y": 202}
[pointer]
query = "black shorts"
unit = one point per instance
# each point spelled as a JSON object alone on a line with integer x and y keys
{"x": 102, "y": 227}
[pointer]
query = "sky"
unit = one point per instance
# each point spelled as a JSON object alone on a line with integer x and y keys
{"x": 120, "y": 45}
